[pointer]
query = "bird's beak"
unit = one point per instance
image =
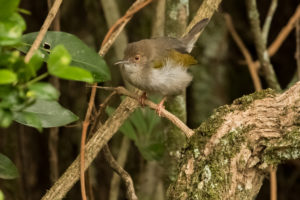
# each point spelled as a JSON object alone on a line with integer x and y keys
{"x": 121, "y": 62}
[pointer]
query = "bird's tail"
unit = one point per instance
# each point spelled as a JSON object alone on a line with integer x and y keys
{"x": 191, "y": 37}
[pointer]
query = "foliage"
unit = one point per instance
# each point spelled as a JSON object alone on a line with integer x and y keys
{"x": 143, "y": 128}
{"x": 23, "y": 98}
{"x": 7, "y": 169}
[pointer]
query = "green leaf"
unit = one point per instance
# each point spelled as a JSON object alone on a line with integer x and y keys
{"x": 152, "y": 119}
{"x": 127, "y": 128}
{"x": 7, "y": 76}
{"x": 42, "y": 90}
{"x": 8, "y": 7}
{"x": 7, "y": 168}
{"x": 5, "y": 90}
{"x": 7, "y": 58}
{"x": 10, "y": 98}
{"x": 11, "y": 29}
{"x": 82, "y": 56}
{"x": 138, "y": 119}
{"x": 30, "y": 119}
{"x": 1, "y": 195}
{"x": 50, "y": 113}
{"x": 5, "y": 118}
{"x": 35, "y": 62}
{"x": 152, "y": 152}
{"x": 58, "y": 65}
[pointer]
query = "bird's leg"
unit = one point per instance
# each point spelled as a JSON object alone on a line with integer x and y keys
{"x": 142, "y": 99}
{"x": 160, "y": 106}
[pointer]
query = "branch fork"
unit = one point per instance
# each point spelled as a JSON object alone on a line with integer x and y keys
{"x": 164, "y": 113}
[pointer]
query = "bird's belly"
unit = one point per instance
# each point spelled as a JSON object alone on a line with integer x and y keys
{"x": 168, "y": 80}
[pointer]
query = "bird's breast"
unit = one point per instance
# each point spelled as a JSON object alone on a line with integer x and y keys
{"x": 171, "y": 79}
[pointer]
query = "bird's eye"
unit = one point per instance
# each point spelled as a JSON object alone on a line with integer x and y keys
{"x": 137, "y": 57}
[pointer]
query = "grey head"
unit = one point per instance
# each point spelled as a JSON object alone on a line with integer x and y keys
{"x": 137, "y": 53}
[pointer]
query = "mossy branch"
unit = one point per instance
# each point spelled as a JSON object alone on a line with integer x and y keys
{"x": 229, "y": 155}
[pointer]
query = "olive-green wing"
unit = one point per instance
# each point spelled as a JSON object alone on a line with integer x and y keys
{"x": 183, "y": 59}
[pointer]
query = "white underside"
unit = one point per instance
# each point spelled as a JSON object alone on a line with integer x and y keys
{"x": 172, "y": 79}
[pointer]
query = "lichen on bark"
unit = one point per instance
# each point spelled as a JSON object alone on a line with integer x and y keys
{"x": 230, "y": 153}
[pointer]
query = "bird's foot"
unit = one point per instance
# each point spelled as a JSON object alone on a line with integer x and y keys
{"x": 142, "y": 99}
{"x": 160, "y": 106}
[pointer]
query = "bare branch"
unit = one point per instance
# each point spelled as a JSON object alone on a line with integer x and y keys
{"x": 260, "y": 45}
{"x": 118, "y": 169}
{"x": 273, "y": 183}
{"x": 245, "y": 52}
{"x": 121, "y": 160}
{"x": 268, "y": 20}
{"x": 285, "y": 31}
{"x": 164, "y": 113}
{"x": 93, "y": 146}
{"x": 110, "y": 37}
{"x": 297, "y": 54}
{"x": 51, "y": 15}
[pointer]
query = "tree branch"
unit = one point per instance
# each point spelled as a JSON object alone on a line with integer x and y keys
{"x": 285, "y": 31}
{"x": 230, "y": 155}
{"x": 108, "y": 40}
{"x": 93, "y": 147}
{"x": 118, "y": 169}
{"x": 297, "y": 53}
{"x": 245, "y": 52}
{"x": 260, "y": 45}
{"x": 164, "y": 113}
{"x": 51, "y": 15}
{"x": 268, "y": 20}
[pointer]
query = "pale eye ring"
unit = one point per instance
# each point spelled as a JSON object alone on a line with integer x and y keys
{"x": 137, "y": 57}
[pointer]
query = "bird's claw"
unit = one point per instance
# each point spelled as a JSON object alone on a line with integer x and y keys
{"x": 159, "y": 108}
{"x": 142, "y": 99}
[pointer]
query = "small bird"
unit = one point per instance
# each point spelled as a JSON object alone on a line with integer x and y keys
{"x": 159, "y": 65}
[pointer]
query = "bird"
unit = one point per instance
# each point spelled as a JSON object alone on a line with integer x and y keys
{"x": 159, "y": 65}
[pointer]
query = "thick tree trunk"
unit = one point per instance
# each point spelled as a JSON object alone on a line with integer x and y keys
{"x": 229, "y": 156}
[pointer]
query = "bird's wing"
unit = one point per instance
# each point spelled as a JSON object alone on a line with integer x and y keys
{"x": 182, "y": 59}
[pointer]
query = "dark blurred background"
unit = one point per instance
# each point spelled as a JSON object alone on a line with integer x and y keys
{"x": 219, "y": 78}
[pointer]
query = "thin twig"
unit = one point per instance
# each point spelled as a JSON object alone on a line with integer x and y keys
{"x": 123, "y": 20}
{"x": 206, "y": 10}
{"x": 54, "y": 132}
{"x": 53, "y": 11}
{"x": 121, "y": 160}
{"x": 103, "y": 105}
{"x": 118, "y": 169}
{"x": 83, "y": 138}
{"x": 112, "y": 14}
{"x": 90, "y": 193}
{"x": 297, "y": 54}
{"x": 106, "y": 44}
{"x": 245, "y": 52}
{"x": 260, "y": 45}
{"x": 164, "y": 113}
{"x": 268, "y": 20}
{"x": 273, "y": 183}
{"x": 285, "y": 31}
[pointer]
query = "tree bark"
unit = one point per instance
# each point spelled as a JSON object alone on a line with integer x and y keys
{"x": 229, "y": 156}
